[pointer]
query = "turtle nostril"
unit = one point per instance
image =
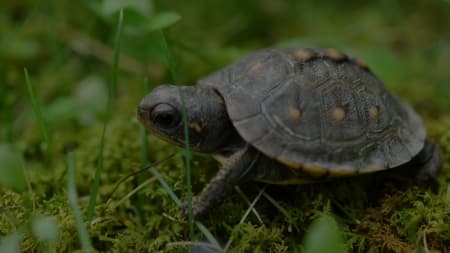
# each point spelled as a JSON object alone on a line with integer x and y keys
{"x": 142, "y": 114}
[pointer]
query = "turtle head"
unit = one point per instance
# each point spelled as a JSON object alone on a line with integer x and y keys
{"x": 161, "y": 112}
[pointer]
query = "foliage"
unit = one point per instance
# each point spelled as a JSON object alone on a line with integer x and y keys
{"x": 68, "y": 50}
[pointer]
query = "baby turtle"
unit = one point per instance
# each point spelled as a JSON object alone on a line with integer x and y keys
{"x": 291, "y": 116}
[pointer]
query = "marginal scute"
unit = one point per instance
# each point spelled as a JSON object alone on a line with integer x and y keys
{"x": 316, "y": 171}
{"x": 343, "y": 172}
{"x": 373, "y": 156}
{"x": 303, "y": 54}
{"x": 335, "y": 55}
{"x": 413, "y": 142}
{"x": 291, "y": 164}
{"x": 396, "y": 152}
{"x": 361, "y": 63}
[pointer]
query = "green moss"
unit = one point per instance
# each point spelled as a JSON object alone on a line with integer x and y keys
{"x": 405, "y": 43}
{"x": 393, "y": 219}
{"x": 251, "y": 238}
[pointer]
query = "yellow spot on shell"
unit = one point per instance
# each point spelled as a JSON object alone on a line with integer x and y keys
{"x": 338, "y": 114}
{"x": 256, "y": 67}
{"x": 303, "y": 55}
{"x": 361, "y": 63}
{"x": 335, "y": 55}
{"x": 374, "y": 111}
{"x": 294, "y": 114}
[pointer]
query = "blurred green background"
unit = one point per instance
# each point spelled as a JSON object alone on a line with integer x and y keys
{"x": 68, "y": 50}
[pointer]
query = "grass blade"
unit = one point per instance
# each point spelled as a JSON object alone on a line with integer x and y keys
{"x": 249, "y": 209}
{"x": 115, "y": 67}
{"x": 166, "y": 187}
{"x": 5, "y": 113}
{"x": 96, "y": 182}
{"x": 193, "y": 244}
{"x": 135, "y": 190}
{"x": 244, "y": 197}
{"x": 111, "y": 94}
{"x": 208, "y": 235}
{"x": 144, "y": 158}
{"x": 83, "y": 235}
{"x": 187, "y": 161}
{"x": 282, "y": 210}
{"x": 187, "y": 153}
{"x": 173, "y": 67}
{"x": 139, "y": 172}
{"x": 37, "y": 111}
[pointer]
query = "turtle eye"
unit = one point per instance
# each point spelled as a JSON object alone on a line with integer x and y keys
{"x": 165, "y": 116}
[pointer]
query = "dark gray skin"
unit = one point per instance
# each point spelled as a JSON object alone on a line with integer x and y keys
{"x": 210, "y": 130}
{"x": 160, "y": 112}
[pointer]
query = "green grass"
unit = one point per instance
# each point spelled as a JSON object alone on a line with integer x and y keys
{"x": 47, "y": 147}
{"x": 72, "y": 197}
{"x": 110, "y": 107}
{"x": 282, "y": 210}
{"x": 172, "y": 65}
{"x": 77, "y": 56}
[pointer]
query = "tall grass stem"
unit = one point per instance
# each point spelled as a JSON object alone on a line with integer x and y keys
{"x": 72, "y": 197}
{"x": 110, "y": 105}
{"x": 37, "y": 110}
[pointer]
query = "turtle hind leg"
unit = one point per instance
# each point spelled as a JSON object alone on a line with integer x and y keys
{"x": 428, "y": 162}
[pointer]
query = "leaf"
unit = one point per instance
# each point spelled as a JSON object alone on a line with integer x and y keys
{"x": 16, "y": 46}
{"x": 162, "y": 20}
{"x": 45, "y": 228}
{"x": 10, "y": 243}
{"x": 143, "y": 7}
{"x": 11, "y": 169}
{"x": 324, "y": 237}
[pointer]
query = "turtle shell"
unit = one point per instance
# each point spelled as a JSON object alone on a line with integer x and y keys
{"x": 318, "y": 111}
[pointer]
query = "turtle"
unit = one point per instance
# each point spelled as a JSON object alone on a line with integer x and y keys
{"x": 291, "y": 116}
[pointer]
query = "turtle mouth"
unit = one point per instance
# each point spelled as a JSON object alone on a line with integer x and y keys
{"x": 143, "y": 115}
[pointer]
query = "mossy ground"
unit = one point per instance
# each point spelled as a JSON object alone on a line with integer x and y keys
{"x": 406, "y": 43}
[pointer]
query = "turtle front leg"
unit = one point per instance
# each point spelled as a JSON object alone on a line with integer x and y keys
{"x": 233, "y": 171}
